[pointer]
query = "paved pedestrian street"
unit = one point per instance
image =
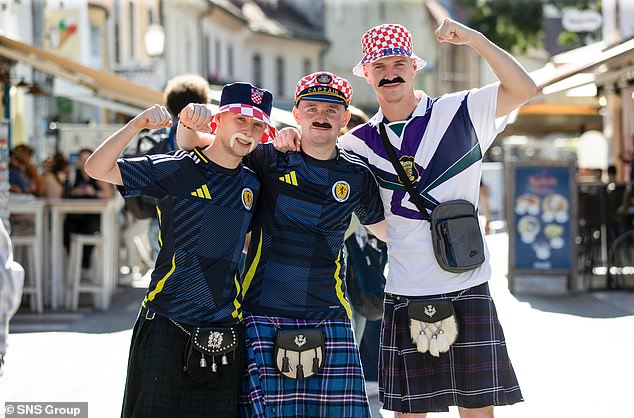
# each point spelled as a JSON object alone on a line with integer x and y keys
{"x": 573, "y": 355}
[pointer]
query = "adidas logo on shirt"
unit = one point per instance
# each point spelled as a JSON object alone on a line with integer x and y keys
{"x": 202, "y": 192}
{"x": 289, "y": 178}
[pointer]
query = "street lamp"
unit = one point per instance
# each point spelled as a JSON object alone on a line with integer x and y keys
{"x": 154, "y": 40}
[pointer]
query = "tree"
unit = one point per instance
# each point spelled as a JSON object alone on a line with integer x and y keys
{"x": 508, "y": 23}
{"x": 519, "y": 23}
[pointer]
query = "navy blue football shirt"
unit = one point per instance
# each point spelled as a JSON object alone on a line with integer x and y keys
{"x": 295, "y": 266}
{"x": 204, "y": 211}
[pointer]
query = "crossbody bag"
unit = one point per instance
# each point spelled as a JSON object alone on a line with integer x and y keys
{"x": 455, "y": 230}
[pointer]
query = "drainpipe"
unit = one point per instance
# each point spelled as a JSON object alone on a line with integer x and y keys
{"x": 4, "y": 159}
{"x": 7, "y": 110}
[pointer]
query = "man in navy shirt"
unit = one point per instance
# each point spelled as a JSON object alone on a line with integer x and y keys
{"x": 205, "y": 200}
{"x": 295, "y": 268}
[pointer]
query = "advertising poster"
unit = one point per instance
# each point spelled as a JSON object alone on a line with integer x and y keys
{"x": 61, "y": 34}
{"x": 542, "y": 219}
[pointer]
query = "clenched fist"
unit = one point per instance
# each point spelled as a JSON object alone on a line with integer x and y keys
{"x": 454, "y": 32}
{"x": 196, "y": 116}
{"x": 154, "y": 117}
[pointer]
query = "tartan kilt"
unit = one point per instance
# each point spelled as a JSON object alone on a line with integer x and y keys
{"x": 157, "y": 386}
{"x": 474, "y": 373}
{"x": 337, "y": 391}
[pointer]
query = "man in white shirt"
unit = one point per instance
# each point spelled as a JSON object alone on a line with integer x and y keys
{"x": 440, "y": 143}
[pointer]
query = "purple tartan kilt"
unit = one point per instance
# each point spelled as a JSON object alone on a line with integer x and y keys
{"x": 475, "y": 372}
{"x": 337, "y": 391}
{"x": 157, "y": 386}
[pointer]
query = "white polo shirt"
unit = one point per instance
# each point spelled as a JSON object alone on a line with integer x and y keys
{"x": 441, "y": 145}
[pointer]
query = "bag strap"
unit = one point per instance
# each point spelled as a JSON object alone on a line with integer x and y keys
{"x": 400, "y": 171}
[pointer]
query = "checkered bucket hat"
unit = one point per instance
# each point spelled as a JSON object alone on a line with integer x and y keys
{"x": 386, "y": 41}
{"x": 248, "y": 100}
{"x": 323, "y": 86}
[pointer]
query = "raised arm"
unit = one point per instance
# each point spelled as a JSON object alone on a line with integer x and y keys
{"x": 102, "y": 164}
{"x": 516, "y": 86}
{"x": 193, "y": 127}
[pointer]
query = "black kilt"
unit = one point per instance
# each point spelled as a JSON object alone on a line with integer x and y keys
{"x": 157, "y": 386}
{"x": 474, "y": 373}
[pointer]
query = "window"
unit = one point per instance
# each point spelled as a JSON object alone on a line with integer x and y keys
{"x": 382, "y": 11}
{"x": 117, "y": 40}
{"x": 230, "y": 61}
{"x": 307, "y": 66}
{"x": 206, "y": 58}
{"x": 279, "y": 74}
{"x": 96, "y": 50}
{"x": 257, "y": 70}
{"x": 131, "y": 27}
{"x": 217, "y": 56}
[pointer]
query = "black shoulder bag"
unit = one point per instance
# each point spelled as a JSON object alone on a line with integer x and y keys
{"x": 455, "y": 231}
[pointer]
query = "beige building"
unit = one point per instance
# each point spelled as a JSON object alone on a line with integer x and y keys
{"x": 266, "y": 43}
{"x": 345, "y": 22}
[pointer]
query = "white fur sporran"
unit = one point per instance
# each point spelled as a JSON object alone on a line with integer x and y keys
{"x": 433, "y": 325}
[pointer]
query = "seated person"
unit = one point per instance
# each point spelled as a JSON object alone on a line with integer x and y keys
{"x": 85, "y": 187}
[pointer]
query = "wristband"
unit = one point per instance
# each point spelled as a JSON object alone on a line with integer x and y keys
{"x": 181, "y": 123}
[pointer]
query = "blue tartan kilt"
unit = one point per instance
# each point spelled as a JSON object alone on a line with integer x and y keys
{"x": 157, "y": 385}
{"x": 474, "y": 373}
{"x": 338, "y": 390}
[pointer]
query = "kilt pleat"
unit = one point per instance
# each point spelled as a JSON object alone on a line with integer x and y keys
{"x": 475, "y": 372}
{"x": 337, "y": 391}
{"x": 157, "y": 386}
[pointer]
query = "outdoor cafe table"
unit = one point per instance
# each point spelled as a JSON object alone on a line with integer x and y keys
{"x": 59, "y": 208}
{"x": 29, "y": 205}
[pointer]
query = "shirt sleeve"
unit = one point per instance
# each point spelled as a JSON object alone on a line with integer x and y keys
{"x": 149, "y": 175}
{"x": 482, "y": 105}
{"x": 260, "y": 158}
{"x": 370, "y": 208}
{"x": 350, "y": 142}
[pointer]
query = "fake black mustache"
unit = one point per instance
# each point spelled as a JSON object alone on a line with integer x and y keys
{"x": 322, "y": 125}
{"x": 392, "y": 81}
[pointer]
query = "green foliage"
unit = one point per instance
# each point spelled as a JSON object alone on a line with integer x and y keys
{"x": 64, "y": 106}
{"x": 508, "y": 23}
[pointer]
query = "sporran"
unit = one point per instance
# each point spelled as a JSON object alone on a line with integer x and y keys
{"x": 433, "y": 325}
{"x": 299, "y": 353}
{"x": 209, "y": 349}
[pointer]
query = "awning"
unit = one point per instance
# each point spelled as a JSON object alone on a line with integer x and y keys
{"x": 567, "y": 71}
{"x": 109, "y": 90}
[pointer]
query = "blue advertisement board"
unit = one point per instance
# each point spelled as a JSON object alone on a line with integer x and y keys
{"x": 542, "y": 219}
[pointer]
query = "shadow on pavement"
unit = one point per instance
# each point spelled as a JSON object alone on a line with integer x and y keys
{"x": 120, "y": 316}
{"x": 549, "y": 294}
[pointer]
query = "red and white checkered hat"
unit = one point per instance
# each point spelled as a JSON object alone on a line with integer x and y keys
{"x": 248, "y": 100}
{"x": 323, "y": 86}
{"x": 386, "y": 41}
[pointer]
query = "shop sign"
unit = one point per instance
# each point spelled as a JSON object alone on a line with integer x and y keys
{"x": 575, "y": 20}
{"x": 542, "y": 219}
